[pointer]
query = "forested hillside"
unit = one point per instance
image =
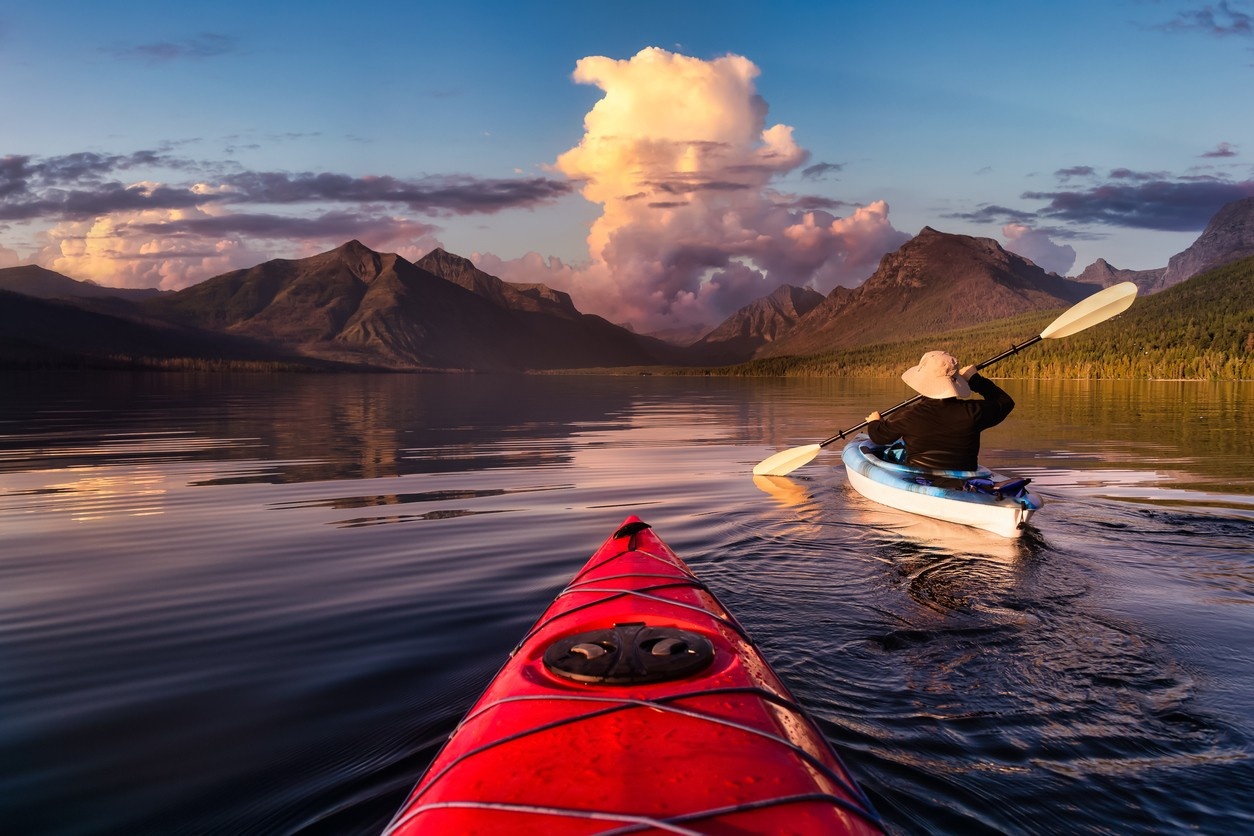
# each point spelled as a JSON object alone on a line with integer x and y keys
{"x": 1202, "y": 329}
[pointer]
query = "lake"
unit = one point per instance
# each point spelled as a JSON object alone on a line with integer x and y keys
{"x": 254, "y": 604}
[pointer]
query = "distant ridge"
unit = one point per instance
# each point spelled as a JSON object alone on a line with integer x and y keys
{"x": 519, "y": 297}
{"x": 31, "y": 280}
{"x": 1102, "y": 274}
{"x": 41, "y": 333}
{"x": 758, "y": 323}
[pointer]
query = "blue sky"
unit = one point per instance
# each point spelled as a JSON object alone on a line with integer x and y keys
{"x": 664, "y": 162}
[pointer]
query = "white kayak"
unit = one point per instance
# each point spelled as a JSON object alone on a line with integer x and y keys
{"x": 979, "y": 498}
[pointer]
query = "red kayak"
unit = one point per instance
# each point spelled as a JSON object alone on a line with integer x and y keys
{"x": 636, "y": 704}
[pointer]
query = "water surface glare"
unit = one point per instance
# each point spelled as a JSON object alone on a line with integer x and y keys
{"x": 258, "y": 604}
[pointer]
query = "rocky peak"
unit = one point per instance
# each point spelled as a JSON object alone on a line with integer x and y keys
{"x": 1103, "y": 274}
{"x": 761, "y": 321}
{"x": 363, "y": 262}
{"x": 1227, "y": 238}
{"x": 462, "y": 271}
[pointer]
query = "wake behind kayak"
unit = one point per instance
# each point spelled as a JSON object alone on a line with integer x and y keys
{"x": 636, "y": 704}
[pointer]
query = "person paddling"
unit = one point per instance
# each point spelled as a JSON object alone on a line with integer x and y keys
{"x": 942, "y": 430}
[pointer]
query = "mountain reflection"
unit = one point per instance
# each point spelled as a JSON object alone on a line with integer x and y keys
{"x": 303, "y": 428}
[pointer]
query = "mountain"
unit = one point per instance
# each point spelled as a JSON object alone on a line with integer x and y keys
{"x": 549, "y": 317}
{"x": 1201, "y": 329}
{"x": 758, "y": 323}
{"x": 935, "y": 282}
{"x": 518, "y": 297}
{"x": 1103, "y": 274}
{"x": 31, "y": 280}
{"x": 1227, "y": 238}
{"x": 53, "y": 333}
{"x": 355, "y": 305}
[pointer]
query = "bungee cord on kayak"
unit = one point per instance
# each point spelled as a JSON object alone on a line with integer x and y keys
{"x": 676, "y": 719}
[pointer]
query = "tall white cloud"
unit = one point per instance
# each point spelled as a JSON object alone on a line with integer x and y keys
{"x": 678, "y": 155}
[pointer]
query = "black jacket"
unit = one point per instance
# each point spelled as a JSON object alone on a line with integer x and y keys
{"x": 945, "y": 434}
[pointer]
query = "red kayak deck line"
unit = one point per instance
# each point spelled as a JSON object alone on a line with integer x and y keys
{"x": 637, "y": 704}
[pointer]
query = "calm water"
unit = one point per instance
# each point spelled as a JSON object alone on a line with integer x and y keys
{"x": 258, "y": 604}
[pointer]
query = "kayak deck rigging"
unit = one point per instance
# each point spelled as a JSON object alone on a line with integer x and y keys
{"x": 667, "y": 744}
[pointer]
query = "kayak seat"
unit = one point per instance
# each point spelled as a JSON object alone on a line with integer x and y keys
{"x": 895, "y": 453}
{"x": 1006, "y": 487}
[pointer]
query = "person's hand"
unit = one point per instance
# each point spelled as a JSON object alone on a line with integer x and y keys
{"x": 874, "y": 416}
{"x": 969, "y": 372}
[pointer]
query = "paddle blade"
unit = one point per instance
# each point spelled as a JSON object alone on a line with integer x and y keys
{"x": 786, "y": 461}
{"x": 1099, "y": 307}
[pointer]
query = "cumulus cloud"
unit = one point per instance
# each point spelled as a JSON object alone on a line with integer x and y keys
{"x": 678, "y": 155}
{"x": 1036, "y": 245}
{"x": 138, "y": 249}
{"x": 172, "y": 249}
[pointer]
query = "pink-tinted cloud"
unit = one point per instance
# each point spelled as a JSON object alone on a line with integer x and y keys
{"x": 678, "y": 155}
{"x": 129, "y": 233}
{"x": 1036, "y": 245}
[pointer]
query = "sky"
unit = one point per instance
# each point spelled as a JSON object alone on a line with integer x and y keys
{"x": 665, "y": 163}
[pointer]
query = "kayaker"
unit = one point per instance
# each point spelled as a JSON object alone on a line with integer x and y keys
{"x": 942, "y": 430}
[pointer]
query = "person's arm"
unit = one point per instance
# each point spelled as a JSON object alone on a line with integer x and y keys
{"x": 998, "y": 403}
{"x": 879, "y": 430}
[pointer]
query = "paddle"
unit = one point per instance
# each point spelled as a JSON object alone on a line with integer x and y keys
{"x": 1099, "y": 307}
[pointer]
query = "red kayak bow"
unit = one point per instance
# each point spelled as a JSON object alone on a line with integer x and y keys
{"x": 637, "y": 704}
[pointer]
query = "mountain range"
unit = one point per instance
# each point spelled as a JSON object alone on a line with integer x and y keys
{"x": 354, "y": 308}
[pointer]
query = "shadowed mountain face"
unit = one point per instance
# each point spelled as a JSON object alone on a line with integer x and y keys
{"x": 757, "y": 324}
{"x": 536, "y": 298}
{"x": 39, "y": 333}
{"x": 31, "y": 280}
{"x": 1227, "y": 238}
{"x": 933, "y": 283}
{"x": 356, "y": 305}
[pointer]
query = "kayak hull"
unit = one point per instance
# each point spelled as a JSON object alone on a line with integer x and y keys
{"x": 897, "y": 486}
{"x": 686, "y": 728}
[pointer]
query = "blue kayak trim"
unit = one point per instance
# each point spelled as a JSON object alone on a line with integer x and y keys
{"x": 903, "y": 487}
